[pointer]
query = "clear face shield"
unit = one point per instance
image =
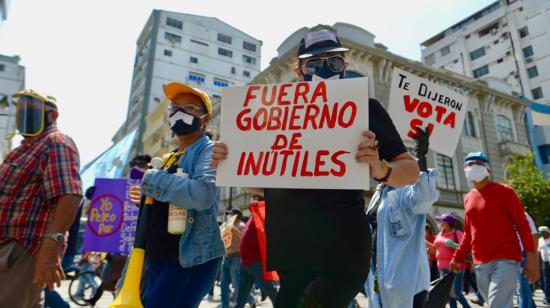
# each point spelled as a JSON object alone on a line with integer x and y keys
{"x": 30, "y": 115}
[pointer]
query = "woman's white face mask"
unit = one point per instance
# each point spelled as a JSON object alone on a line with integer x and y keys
{"x": 476, "y": 173}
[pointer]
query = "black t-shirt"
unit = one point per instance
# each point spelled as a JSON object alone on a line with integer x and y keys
{"x": 161, "y": 245}
{"x": 322, "y": 229}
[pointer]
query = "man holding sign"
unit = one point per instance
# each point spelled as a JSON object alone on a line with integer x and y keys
{"x": 318, "y": 240}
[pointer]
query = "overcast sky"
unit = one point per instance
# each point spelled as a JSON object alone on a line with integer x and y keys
{"x": 82, "y": 52}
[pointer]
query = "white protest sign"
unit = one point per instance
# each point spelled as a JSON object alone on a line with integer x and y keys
{"x": 419, "y": 103}
{"x": 295, "y": 135}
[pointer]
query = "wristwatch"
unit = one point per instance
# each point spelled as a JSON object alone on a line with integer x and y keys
{"x": 388, "y": 173}
{"x": 58, "y": 237}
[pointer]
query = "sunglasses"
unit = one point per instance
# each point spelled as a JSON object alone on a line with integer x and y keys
{"x": 187, "y": 108}
{"x": 475, "y": 162}
{"x": 314, "y": 66}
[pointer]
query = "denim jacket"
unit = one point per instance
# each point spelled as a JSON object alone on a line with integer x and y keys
{"x": 402, "y": 260}
{"x": 198, "y": 193}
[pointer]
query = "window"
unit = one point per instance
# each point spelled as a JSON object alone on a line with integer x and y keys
{"x": 225, "y": 52}
{"x": 233, "y": 70}
{"x": 467, "y": 36}
{"x": 445, "y": 51}
{"x": 174, "y": 38}
{"x": 249, "y": 60}
{"x": 478, "y": 53}
{"x": 167, "y": 52}
{"x": 493, "y": 29}
{"x": 220, "y": 82}
{"x": 246, "y": 73}
{"x": 445, "y": 168}
{"x": 537, "y": 93}
{"x": 429, "y": 59}
{"x": 2, "y": 67}
{"x": 500, "y": 60}
{"x": 199, "y": 42}
{"x": 174, "y": 23}
{"x": 523, "y": 32}
{"x": 496, "y": 42}
{"x": 528, "y": 51}
{"x": 544, "y": 153}
{"x": 198, "y": 78}
{"x": 193, "y": 60}
{"x": 504, "y": 129}
{"x": 249, "y": 46}
{"x": 484, "y": 70}
{"x": 224, "y": 38}
{"x": 469, "y": 126}
{"x": 532, "y": 72}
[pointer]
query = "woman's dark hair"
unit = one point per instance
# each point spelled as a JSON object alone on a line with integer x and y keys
{"x": 89, "y": 192}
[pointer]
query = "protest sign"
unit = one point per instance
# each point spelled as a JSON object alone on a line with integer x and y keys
{"x": 419, "y": 103}
{"x": 295, "y": 135}
{"x": 112, "y": 218}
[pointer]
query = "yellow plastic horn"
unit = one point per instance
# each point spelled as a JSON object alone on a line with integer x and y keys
{"x": 129, "y": 295}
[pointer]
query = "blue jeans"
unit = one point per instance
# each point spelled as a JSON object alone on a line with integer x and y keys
{"x": 250, "y": 274}
{"x": 496, "y": 281}
{"x": 52, "y": 299}
{"x": 471, "y": 280}
{"x": 525, "y": 298}
{"x": 545, "y": 279}
{"x": 457, "y": 288}
{"x": 86, "y": 280}
{"x": 170, "y": 285}
{"x": 230, "y": 275}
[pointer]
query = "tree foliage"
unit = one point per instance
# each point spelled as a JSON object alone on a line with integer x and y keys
{"x": 533, "y": 190}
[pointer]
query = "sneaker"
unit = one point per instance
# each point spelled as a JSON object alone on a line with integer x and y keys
{"x": 477, "y": 301}
{"x": 210, "y": 298}
{"x": 546, "y": 302}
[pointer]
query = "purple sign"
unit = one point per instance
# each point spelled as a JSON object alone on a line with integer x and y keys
{"x": 112, "y": 217}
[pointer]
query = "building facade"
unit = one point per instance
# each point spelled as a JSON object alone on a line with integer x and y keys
{"x": 491, "y": 113}
{"x": 508, "y": 40}
{"x": 201, "y": 51}
{"x": 12, "y": 80}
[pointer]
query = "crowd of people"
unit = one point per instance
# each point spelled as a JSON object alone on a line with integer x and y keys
{"x": 325, "y": 245}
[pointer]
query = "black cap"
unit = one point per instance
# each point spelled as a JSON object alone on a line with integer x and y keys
{"x": 319, "y": 39}
{"x": 235, "y": 212}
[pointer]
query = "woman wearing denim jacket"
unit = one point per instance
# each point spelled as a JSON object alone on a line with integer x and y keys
{"x": 400, "y": 274}
{"x": 182, "y": 268}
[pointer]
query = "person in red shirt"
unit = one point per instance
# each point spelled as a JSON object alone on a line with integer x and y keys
{"x": 251, "y": 263}
{"x": 493, "y": 215}
{"x": 40, "y": 193}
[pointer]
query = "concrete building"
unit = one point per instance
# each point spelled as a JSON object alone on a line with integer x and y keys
{"x": 508, "y": 40}
{"x": 12, "y": 79}
{"x": 201, "y": 51}
{"x": 491, "y": 113}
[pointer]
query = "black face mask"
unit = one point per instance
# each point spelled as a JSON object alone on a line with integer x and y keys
{"x": 181, "y": 128}
{"x": 325, "y": 73}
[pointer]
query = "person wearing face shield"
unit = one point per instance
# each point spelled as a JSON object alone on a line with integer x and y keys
{"x": 493, "y": 214}
{"x": 181, "y": 268}
{"x": 318, "y": 240}
{"x": 40, "y": 193}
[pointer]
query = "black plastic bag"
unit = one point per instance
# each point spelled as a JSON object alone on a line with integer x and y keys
{"x": 440, "y": 291}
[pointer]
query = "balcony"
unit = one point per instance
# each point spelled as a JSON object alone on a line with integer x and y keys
{"x": 508, "y": 148}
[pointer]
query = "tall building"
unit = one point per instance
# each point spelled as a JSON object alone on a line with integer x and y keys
{"x": 487, "y": 107}
{"x": 506, "y": 44}
{"x": 508, "y": 39}
{"x": 201, "y": 51}
{"x": 4, "y": 4}
{"x": 12, "y": 79}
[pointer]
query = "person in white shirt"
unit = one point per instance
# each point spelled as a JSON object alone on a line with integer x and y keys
{"x": 544, "y": 247}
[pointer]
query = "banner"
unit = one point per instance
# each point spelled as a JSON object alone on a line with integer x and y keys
{"x": 419, "y": 103}
{"x": 295, "y": 135}
{"x": 112, "y": 217}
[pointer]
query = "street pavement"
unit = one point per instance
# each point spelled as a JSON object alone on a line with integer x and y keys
{"x": 107, "y": 299}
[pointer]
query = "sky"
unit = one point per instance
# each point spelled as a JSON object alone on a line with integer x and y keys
{"x": 82, "y": 52}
